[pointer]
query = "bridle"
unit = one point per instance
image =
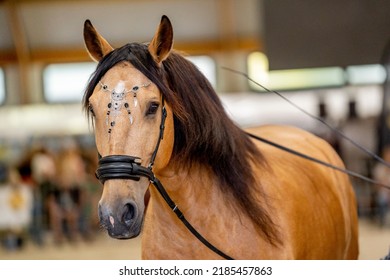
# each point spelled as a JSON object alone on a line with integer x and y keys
{"x": 130, "y": 168}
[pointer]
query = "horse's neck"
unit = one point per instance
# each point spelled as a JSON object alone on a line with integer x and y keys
{"x": 198, "y": 196}
{"x": 210, "y": 211}
{"x": 191, "y": 187}
{"x": 195, "y": 192}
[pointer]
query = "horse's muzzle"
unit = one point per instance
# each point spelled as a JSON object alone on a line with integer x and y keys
{"x": 123, "y": 223}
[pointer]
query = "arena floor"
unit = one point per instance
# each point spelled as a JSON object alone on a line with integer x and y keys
{"x": 374, "y": 244}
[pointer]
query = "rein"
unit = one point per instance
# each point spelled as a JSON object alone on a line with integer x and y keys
{"x": 320, "y": 120}
{"x": 330, "y": 127}
{"x": 326, "y": 164}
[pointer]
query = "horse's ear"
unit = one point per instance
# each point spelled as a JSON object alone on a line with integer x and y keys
{"x": 97, "y": 46}
{"x": 162, "y": 42}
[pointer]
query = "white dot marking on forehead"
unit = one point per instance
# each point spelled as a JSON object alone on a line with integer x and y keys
{"x": 120, "y": 87}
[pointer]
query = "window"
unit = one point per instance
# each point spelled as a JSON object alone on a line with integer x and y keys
{"x": 66, "y": 82}
{"x": 366, "y": 74}
{"x": 207, "y": 66}
{"x": 2, "y": 86}
{"x": 306, "y": 78}
{"x": 293, "y": 79}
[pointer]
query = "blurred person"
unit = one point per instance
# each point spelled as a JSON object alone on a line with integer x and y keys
{"x": 324, "y": 132}
{"x": 44, "y": 173}
{"x": 36, "y": 230}
{"x": 15, "y": 208}
{"x": 89, "y": 195}
{"x": 362, "y": 130}
{"x": 381, "y": 173}
{"x": 71, "y": 197}
{"x": 92, "y": 193}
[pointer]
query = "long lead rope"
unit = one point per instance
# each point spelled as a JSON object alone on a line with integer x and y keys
{"x": 319, "y": 119}
{"x": 294, "y": 152}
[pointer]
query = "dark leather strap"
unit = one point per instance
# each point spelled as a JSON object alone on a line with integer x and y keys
{"x": 121, "y": 167}
{"x": 180, "y": 215}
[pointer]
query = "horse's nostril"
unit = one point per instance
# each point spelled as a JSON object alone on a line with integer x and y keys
{"x": 128, "y": 213}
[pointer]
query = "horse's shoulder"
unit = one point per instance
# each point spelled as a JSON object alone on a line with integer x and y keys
{"x": 281, "y": 131}
{"x": 289, "y": 136}
{"x": 295, "y": 139}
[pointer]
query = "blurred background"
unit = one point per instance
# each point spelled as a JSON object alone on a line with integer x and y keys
{"x": 330, "y": 57}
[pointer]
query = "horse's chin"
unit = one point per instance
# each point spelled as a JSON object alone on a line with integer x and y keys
{"x": 124, "y": 236}
{"x": 124, "y": 233}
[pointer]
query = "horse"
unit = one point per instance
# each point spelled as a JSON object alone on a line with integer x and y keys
{"x": 162, "y": 132}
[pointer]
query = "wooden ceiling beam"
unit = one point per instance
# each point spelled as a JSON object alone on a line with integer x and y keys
{"x": 8, "y": 57}
{"x": 21, "y": 48}
{"x": 227, "y": 24}
{"x": 199, "y": 47}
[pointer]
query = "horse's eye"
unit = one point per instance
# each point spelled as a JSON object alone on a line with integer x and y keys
{"x": 153, "y": 107}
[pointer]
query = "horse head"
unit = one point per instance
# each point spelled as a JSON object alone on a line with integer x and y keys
{"x": 130, "y": 119}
